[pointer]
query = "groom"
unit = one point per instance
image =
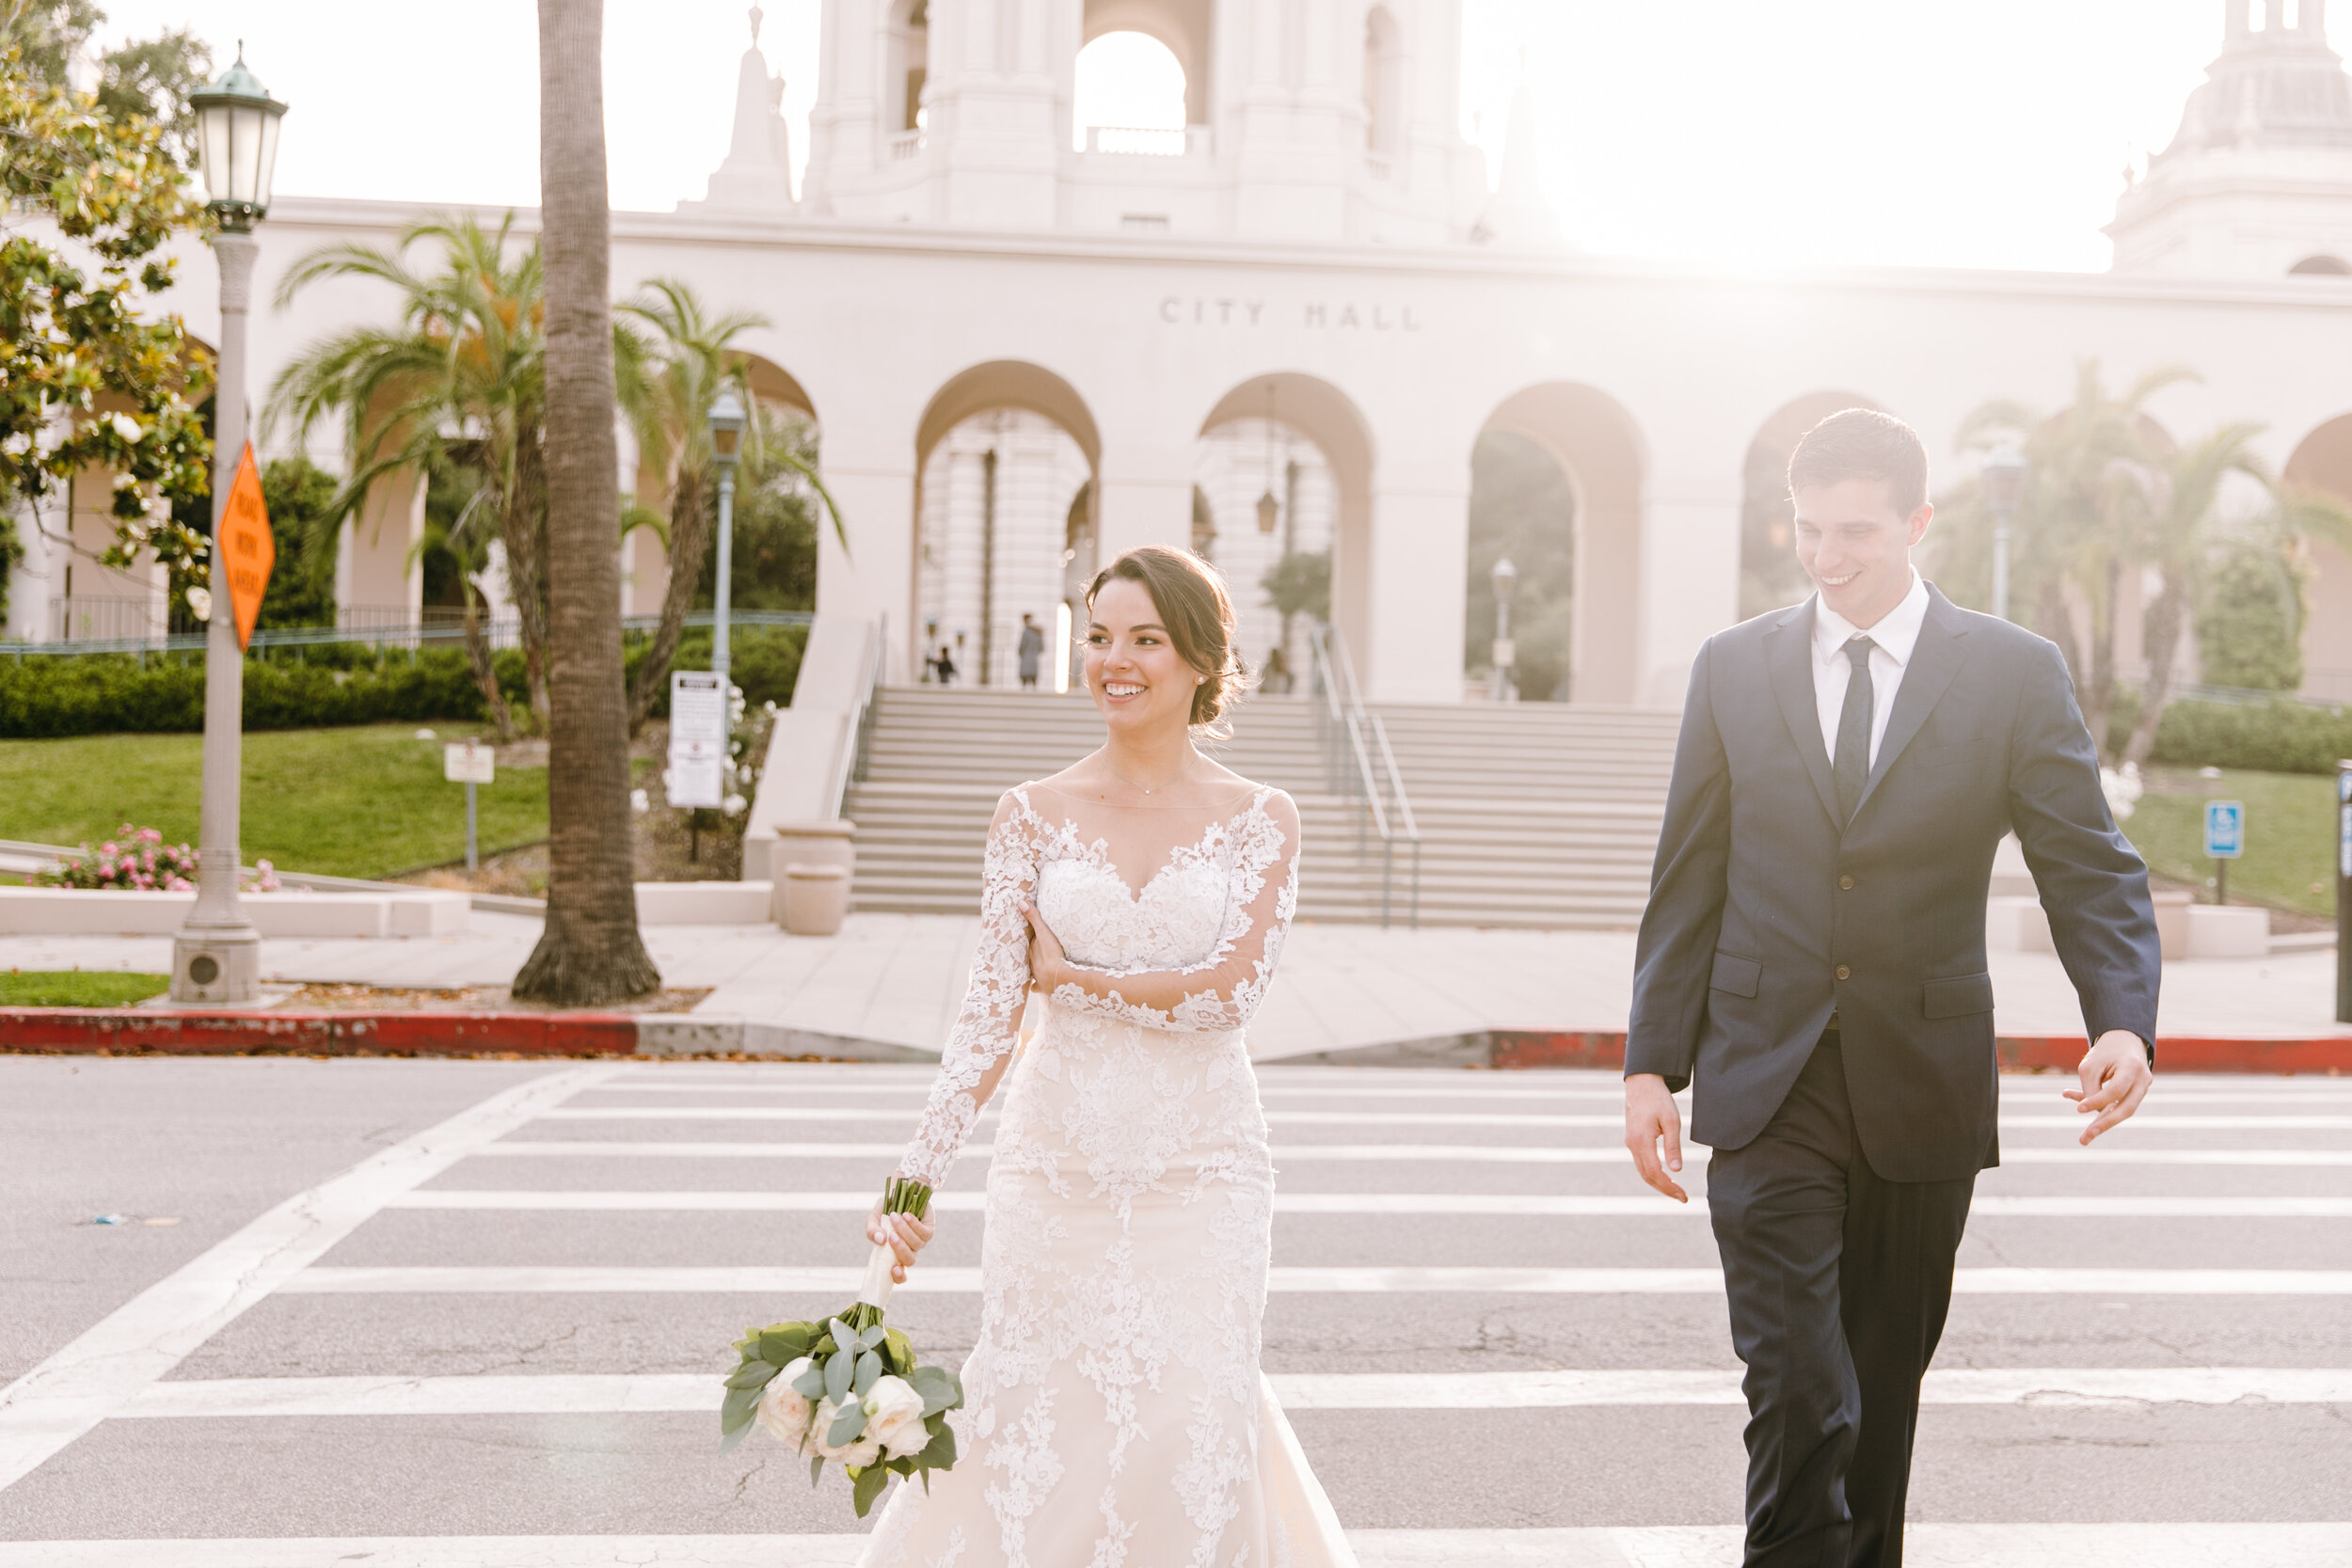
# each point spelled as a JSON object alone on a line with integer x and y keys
{"x": 1813, "y": 959}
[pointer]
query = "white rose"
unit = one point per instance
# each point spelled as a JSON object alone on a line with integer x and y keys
{"x": 857, "y": 1454}
{"x": 782, "y": 1410}
{"x": 894, "y": 1416}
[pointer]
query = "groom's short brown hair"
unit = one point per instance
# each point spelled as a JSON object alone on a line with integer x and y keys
{"x": 1862, "y": 443}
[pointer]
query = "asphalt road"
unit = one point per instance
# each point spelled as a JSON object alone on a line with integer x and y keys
{"x": 448, "y": 1314}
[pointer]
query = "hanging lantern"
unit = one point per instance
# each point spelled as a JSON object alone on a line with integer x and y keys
{"x": 1269, "y": 513}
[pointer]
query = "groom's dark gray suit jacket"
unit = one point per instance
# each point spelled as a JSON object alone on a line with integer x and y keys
{"x": 1765, "y": 918}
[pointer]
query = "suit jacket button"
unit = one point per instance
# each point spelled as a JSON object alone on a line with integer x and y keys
{"x": 1845, "y": 884}
{"x": 1844, "y": 973}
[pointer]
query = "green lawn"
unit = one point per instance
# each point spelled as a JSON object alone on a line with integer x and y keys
{"x": 2289, "y": 835}
{"x": 77, "y": 987}
{"x": 365, "y": 802}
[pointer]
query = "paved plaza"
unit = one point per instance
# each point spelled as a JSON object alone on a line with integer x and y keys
{"x": 448, "y": 1314}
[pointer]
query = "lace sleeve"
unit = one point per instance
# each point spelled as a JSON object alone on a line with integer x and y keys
{"x": 982, "y": 1043}
{"x": 1223, "y": 990}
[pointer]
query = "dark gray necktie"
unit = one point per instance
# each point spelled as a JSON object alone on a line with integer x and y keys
{"x": 1852, "y": 762}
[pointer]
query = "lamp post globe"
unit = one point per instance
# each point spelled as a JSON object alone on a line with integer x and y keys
{"x": 727, "y": 419}
{"x": 1504, "y": 578}
{"x": 2004, "y": 480}
{"x": 216, "y": 956}
{"x": 236, "y": 138}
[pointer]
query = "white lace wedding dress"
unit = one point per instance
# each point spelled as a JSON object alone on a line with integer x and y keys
{"x": 1115, "y": 1415}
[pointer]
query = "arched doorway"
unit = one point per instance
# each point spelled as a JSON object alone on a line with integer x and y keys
{"x": 1181, "y": 27}
{"x": 1262, "y": 495}
{"x": 1005, "y": 458}
{"x": 1770, "y": 577}
{"x": 2323, "y": 462}
{"x": 1303, "y": 442}
{"x": 1595, "y": 447}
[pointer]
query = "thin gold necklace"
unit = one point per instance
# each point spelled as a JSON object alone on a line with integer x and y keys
{"x": 1130, "y": 782}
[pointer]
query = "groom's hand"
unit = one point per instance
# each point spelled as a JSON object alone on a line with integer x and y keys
{"x": 2116, "y": 1077}
{"x": 1653, "y": 1130}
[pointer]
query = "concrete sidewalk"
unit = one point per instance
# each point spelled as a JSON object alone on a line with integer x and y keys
{"x": 894, "y": 979}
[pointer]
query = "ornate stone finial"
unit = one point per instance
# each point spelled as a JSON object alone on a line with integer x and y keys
{"x": 758, "y": 16}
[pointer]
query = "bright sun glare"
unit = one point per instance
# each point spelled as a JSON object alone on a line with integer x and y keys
{"x": 1127, "y": 80}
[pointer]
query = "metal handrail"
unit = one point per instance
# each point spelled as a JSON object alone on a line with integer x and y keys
{"x": 1353, "y": 734}
{"x": 857, "y": 756}
{"x": 405, "y": 634}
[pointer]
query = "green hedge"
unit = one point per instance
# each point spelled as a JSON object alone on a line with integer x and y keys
{"x": 332, "y": 684}
{"x": 2277, "y": 737}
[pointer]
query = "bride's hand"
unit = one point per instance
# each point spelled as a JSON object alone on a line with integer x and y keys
{"x": 1048, "y": 965}
{"x": 903, "y": 1235}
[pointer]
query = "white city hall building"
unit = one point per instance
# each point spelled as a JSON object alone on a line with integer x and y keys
{"x": 1028, "y": 343}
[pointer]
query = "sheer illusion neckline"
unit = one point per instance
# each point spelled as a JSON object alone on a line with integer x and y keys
{"x": 1094, "y": 850}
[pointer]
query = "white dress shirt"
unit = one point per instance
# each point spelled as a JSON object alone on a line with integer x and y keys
{"x": 1893, "y": 640}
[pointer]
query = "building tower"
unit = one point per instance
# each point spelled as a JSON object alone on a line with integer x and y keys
{"x": 1309, "y": 121}
{"x": 2258, "y": 180}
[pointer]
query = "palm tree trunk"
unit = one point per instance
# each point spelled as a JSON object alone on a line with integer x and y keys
{"x": 590, "y": 952}
{"x": 525, "y": 532}
{"x": 690, "y": 542}
{"x": 2166, "y": 618}
{"x": 2099, "y": 702}
{"x": 485, "y": 662}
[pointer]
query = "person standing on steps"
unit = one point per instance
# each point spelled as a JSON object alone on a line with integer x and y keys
{"x": 1032, "y": 650}
{"x": 1812, "y": 963}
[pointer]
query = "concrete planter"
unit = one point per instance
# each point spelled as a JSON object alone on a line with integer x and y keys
{"x": 704, "y": 903}
{"x": 816, "y": 899}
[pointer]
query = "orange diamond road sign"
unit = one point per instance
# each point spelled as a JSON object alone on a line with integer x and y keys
{"x": 246, "y": 552}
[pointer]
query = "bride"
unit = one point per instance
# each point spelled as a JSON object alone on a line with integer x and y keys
{"x": 1115, "y": 1414}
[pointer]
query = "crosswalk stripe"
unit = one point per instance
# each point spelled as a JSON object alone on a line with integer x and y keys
{"x": 2152, "y": 1120}
{"x": 770, "y": 1280}
{"x": 1639, "y": 1206}
{"x": 2201, "y": 1544}
{"x": 76, "y": 1387}
{"x": 2108, "y": 1153}
{"x": 653, "y": 1393}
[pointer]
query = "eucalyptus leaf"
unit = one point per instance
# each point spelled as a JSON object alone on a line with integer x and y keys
{"x": 816, "y": 1468}
{"x": 752, "y": 1374}
{"x": 846, "y": 1426}
{"x": 936, "y": 1386}
{"x": 872, "y": 1337}
{"x": 727, "y": 1443}
{"x": 940, "y": 1453}
{"x": 842, "y": 1333}
{"x": 899, "y": 1351}
{"x": 787, "y": 1343}
{"x": 869, "y": 1370}
{"x": 869, "y": 1485}
{"x": 810, "y": 1385}
{"x": 735, "y": 1411}
{"x": 839, "y": 1369}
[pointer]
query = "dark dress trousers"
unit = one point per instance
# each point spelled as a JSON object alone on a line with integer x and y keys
{"x": 1845, "y": 1153}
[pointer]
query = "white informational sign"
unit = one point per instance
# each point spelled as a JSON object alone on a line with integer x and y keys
{"x": 698, "y": 739}
{"x": 469, "y": 761}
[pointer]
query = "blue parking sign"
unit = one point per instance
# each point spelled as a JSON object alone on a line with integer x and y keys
{"x": 2225, "y": 829}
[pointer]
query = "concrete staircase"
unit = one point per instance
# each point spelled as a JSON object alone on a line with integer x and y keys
{"x": 1529, "y": 814}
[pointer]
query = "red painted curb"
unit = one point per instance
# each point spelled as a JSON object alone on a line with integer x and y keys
{"x": 134, "y": 1030}
{"x": 2327, "y": 1054}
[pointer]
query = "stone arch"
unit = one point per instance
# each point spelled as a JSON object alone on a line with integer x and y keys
{"x": 1184, "y": 27}
{"x": 905, "y": 65}
{"x": 1312, "y": 410}
{"x": 2322, "y": 461}
{"x": 1384, "y": 83}
{"x": 1007, "y": 462}
{"x": 1598, "y": 447}
{"x": 1770, "y": 577}
{"x": 1129, "y": 93}
{"x": 2322, "y": 267}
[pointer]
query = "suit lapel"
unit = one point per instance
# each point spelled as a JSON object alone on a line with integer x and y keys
{"x": 1789, "y": 655}
{"x": 1934, "y": 660}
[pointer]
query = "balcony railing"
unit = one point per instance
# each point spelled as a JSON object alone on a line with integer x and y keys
{"x": 905, "y": 144}
{"x": 1147, "y": 141}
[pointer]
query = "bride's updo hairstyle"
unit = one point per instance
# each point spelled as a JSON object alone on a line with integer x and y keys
{"x": 1198, "y": 613}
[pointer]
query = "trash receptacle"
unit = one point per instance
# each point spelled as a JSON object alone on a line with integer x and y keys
{"x": 816, "y": 897}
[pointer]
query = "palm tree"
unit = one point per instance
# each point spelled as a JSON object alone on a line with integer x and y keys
{"x": 2097, "y": 470}
{"x": 459, "y": 383}
{"x": 590, "y": 951}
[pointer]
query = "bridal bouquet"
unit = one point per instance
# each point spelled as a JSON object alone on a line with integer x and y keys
{"x": 848, "y": 1389}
